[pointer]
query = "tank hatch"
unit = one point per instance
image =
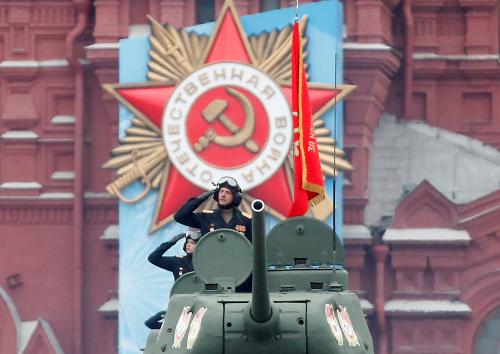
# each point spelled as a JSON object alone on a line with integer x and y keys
{"x": 303, "y": 242}
{"x": 223, "y": 260}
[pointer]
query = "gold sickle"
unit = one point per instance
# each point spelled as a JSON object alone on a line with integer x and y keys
{"x": 215, "y": 111}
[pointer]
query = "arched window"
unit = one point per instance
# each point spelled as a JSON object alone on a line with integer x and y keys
{"x": 488, "y": 338}
{"x": 205, "y": 11}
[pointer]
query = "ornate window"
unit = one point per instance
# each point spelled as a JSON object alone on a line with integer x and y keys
{"x": 488, "y": 338}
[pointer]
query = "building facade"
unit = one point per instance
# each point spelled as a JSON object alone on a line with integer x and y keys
{"x": 421, "y": 208}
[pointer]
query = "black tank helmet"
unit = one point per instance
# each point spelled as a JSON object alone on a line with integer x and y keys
{"x": 231, "y": 184}
{"x": 191, "y": 234}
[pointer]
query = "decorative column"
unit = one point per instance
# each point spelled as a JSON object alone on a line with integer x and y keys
{"x": 108, "y": 21}
{"x": 371, "y": 67}
{"x": 425, "y": 309}
{"x": 374, "y": 20}
{"x": 19, "y": 142}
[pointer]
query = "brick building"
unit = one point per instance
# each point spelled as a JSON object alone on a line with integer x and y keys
{"x": 421, "y": 208}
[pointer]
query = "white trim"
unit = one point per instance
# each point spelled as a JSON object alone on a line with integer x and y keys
{"x": 11, "y": 306}
{"x": 434, "y": 56}
{"x": 51, "y": 336}
{"x": 20, "y": 135}
{"x": 477, "y": 216}
{"x": 21, "y": 185}
{"x": 367, "y": 46}
{"x": 111, "y": 233}
{"x": 110, "y": 306}
{"x": 43, "y": 196}
{"x": 436, "y": 236}
{"x": 53, "y": 63}
{"x": 427, "y": 307}
{"x": 27, "y": 328}
{"x": 367, "y": 306}
{"x": 63, "y": 176}
{"x": 99, "y": 46}
{"x": 60, "y": 120}
{"x": 356, "y": 232}
{"x": 57, "y": 195}
{"x": 97, "y": 195}
{"x": 34, "y": 63}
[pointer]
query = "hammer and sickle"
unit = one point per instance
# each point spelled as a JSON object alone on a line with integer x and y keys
{"x": 215, "y": 110}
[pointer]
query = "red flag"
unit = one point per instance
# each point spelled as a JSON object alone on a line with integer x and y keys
{"x": 309, "y": 182}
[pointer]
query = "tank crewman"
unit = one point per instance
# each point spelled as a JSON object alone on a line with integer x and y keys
{"x": 228, "y": 196}
{"x": 176, "y": 265}
{"x": 155, "y": 321}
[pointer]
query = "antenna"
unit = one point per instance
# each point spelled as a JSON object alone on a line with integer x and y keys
{"x": 334, "y": 158}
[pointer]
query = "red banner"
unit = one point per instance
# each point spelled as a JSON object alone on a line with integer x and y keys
{"x": 309, "y": 183}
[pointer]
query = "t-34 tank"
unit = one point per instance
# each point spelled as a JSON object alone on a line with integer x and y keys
{"x": 299, "y": 302}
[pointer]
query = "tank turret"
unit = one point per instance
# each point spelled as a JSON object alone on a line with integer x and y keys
{"x": 299, "y": 301}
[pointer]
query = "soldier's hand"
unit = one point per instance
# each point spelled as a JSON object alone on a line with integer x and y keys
{"x": 178, "y": 237}
{"x": 207, "y": 194}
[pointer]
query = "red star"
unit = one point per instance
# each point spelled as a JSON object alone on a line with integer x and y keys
{"x": 228, "y": 43}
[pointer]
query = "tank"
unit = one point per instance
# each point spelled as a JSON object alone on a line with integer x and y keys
{"x": 299, "y": 301}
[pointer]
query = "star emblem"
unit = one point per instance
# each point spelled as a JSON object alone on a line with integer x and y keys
{"x": 174, "y": 55}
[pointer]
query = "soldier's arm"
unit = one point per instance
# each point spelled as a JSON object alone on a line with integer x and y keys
{"x": 170, "y": 263}
{"x": 154, "y": 321}
{"x": 186, "y": 215}
{"x": 156, "y": 257}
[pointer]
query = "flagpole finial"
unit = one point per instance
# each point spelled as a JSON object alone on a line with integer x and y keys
{"x": 296, "y": 10}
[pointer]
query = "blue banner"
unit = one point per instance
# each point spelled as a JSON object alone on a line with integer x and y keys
{"x": 144, "y": 288}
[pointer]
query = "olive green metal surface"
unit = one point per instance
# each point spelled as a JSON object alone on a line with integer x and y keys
{"x": 223, "y": 255}
{"x": 300, "y": 303}
{"x": 303, "y": 240}
{"x": 187, "y": 284}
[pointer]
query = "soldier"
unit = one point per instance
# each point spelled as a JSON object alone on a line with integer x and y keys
{"x": 228, "y": 196}
{"x": 177, "y": 265}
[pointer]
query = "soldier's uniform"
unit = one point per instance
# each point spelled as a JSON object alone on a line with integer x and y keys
{"x": 211, "y": 219}
{"x": 177, "y": 265}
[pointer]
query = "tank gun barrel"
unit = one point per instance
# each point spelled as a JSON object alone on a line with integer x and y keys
{"x": 261, "y": 309}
